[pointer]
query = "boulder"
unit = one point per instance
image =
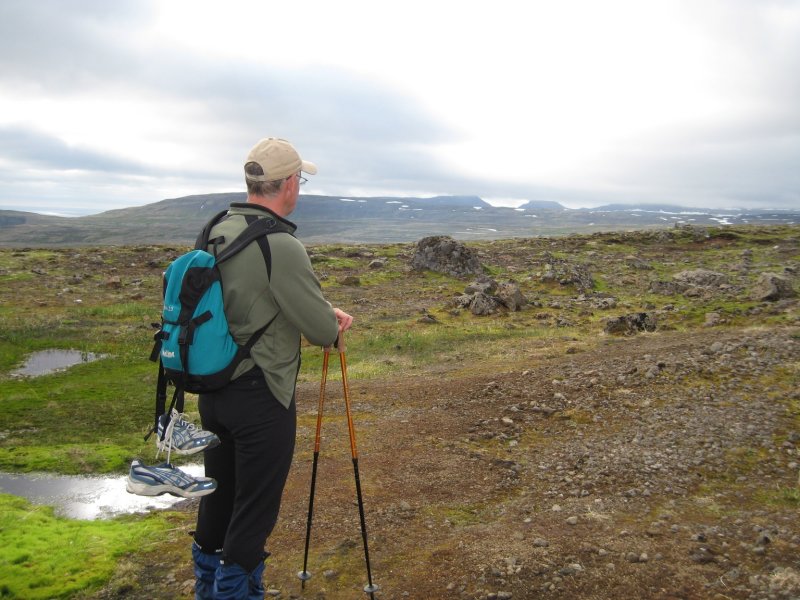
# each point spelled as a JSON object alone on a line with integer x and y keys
{"x": 771, "y": 287}
{"x": 479, "y": 304}
{"x": 483, "y": 304}
{"x": 511, "y": 296}
{"x": 484, "y": 296}
{"x": 630, "y": 324}
{"x": 443, "y": 254}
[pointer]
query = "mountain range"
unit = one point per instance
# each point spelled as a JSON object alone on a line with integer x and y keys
{"x": 329, "y": 219}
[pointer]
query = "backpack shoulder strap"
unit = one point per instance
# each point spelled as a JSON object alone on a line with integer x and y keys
{"x": 201, "y": 243}
{"x": 255, "y": 230}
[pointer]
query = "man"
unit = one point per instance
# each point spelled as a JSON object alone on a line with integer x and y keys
{"x": 254, "y": 415}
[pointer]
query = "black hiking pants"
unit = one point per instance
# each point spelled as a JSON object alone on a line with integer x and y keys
{"x": 250, "y": 465}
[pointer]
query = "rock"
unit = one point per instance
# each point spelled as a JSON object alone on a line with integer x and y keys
{"x": 541, "y": 543}
{"x": 763, "y": 540}
{"x": 377, "y": 264}
{"x": 572, "y": 521}
{"x": 712, "y": 319}
{"x": 570, "y": 570}
{"x": 771, "y": 287}
{"x": 445, "y": 255}
{"x": 479, "y": 304}
{"x": 113, "y": 282}
{"x": 700, "y": 278}
{"x": 630, "y": 324}
{"x": 558, "y": 269}
{"x": 637, "y": 263}
{"x": 478, "y": 297}
{"x": 691, "y": 283}
{"x": 604, "y": 303}
{"x": 665, "y": 288}
{"x": 510, "y": 296}
{"x": 350, "y": 280}
{"x": 483, "y": 285}
{"x": 702, "y": 556}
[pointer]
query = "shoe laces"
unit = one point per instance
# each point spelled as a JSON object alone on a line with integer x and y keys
{"x": 186, "y": 423}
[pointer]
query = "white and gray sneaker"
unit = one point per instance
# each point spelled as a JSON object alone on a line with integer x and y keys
{"x": 166, "y": 479}
{"x": 182, "y": 436}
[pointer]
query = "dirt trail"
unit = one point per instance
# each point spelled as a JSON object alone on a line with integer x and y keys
{"x": 662, "y": 466}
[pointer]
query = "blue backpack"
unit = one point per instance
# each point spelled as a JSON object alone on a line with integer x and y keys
{"x": 194, "y": 346}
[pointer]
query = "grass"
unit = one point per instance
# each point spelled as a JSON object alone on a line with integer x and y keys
{"x": 780, "y": 497}
{"x": 45, "y": 556}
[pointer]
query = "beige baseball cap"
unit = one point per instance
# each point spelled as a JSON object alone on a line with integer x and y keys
{"x": 278, "y": 160}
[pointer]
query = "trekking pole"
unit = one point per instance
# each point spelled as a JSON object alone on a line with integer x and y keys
{"x": 304, "y": 575}
{"x": 370, "y": 588}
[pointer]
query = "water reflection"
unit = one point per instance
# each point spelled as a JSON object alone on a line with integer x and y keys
{"x": 88, "y": 498}
{"x": 49, "y": 361}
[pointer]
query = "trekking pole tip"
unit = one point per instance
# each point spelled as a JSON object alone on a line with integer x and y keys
{"x": 371, "y": 588}
{"x": 303, "y": 576}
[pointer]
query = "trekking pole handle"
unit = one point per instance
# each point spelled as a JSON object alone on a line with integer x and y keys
{"x": 339, "y": 343}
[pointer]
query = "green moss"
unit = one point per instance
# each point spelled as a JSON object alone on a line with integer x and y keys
{"x": 45, "y": 556}
{"x": 786, "y": 497}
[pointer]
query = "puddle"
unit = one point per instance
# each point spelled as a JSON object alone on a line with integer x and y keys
{"x": 50, "y": 361}
{"x": 88, "y": 498}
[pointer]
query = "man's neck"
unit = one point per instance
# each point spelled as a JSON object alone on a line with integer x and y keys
{"x": 273, "y": 203}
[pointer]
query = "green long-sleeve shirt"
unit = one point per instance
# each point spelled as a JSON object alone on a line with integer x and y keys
{"x": 291, "y": 293}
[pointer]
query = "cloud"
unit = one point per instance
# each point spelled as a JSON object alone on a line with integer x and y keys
{"x": 579, "y": 103}
{"x": 31, "y": 149}
{"x": 153, "y": 110}
{"x": 60, "y": 46}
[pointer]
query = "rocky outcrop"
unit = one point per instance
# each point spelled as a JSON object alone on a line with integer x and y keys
{"x": 445, "y": 255}
{"x": 566, "y": 273}
{"x": 630, "y": 324}
{"x": 700, "y": 278}
{"x": 485, "y": 296}
{"x": 692, "y": 283}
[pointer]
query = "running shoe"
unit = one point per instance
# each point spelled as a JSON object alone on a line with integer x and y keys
{"x": 184, "y": 437}
{"x": 166, "y": 479}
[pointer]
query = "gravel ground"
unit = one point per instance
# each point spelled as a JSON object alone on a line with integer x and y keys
{"x": 661, "y": 466}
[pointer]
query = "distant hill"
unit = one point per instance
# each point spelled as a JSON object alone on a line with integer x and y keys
{"x": 532, "y": 204}
{"x": 325, "y": 219}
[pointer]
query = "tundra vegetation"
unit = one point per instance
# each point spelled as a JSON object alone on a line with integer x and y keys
{"x": 612, "y": 415}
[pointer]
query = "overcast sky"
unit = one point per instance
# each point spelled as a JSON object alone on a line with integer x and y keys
{"x": 113, "y": 104}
